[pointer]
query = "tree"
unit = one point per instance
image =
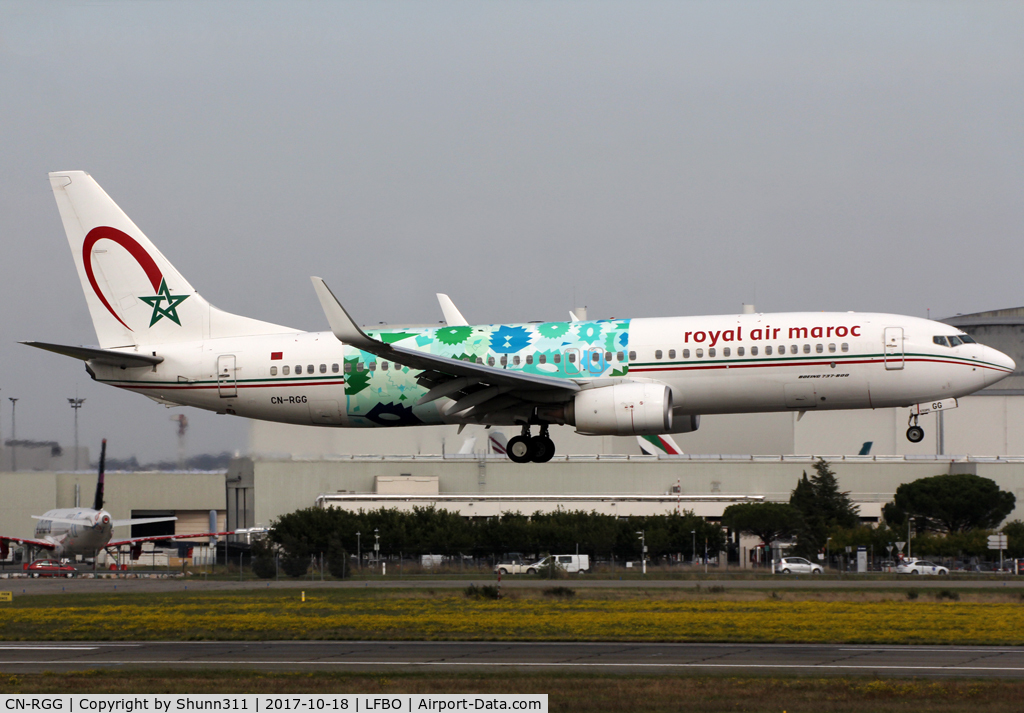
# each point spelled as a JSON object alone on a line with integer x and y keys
{"x": 767, "y": 521}
{"x": 950, "y": 503}
{"x": 823, "y": 508}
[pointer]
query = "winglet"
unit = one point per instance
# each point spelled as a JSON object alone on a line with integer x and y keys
{"x": 452, "y": 316}
{"x": 341, "y": 323}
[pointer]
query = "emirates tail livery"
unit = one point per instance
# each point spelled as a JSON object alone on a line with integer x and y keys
{"x": 625, "y": 377}
{"x": 85, "y": 531}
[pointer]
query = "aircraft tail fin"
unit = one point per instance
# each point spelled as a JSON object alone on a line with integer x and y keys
{"x": 97, "y": 503}
{"x": 135, "y": 295}
{"x": 498, "y": 442}
{"x": 658, "y": 445}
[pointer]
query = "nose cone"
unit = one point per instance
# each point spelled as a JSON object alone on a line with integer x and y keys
{"x": 1004, "y": 366}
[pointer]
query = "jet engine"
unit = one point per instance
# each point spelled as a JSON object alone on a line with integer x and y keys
{"x": 630, "y": 409}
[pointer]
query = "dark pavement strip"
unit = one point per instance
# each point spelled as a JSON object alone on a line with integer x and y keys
{"x": 453, "y": 657}
{"x": 57, "y": 586}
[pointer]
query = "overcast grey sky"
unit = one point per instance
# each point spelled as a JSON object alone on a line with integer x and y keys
{"x": 652, "y": 158}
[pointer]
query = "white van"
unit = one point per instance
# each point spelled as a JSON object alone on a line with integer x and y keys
{"x": 569, "y": 563}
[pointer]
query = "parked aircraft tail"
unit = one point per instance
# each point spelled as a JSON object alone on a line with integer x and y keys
{"x": 135, "y": 295}
{"x": 98, "y": 501}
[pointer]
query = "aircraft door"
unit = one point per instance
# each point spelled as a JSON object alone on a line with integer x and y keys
{"x": 226, "y": 386}
{"x": 893, "y": 348}
{"x": 595, "y": 360}
{"x": 572, "y": 361}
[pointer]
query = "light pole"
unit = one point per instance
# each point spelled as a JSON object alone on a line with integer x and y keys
{"x": 76, "y": 403}
{"x": 827, "y": 558}
{"x": 643, "y": 550}
{"x": 694, "y": 547}
{"x": 14, "y": 435}
{"x": 359, "y": 551}
{"x": 376, "y": 546}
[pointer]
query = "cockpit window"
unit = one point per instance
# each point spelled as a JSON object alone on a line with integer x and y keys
{"x": 941, "y": 341}
{"x": 967, "y": 339}
{"x": 955, "y": 341}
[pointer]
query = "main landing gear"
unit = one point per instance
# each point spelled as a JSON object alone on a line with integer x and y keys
{"x": 526, "y": 448}
{"x": 915, "y": 434}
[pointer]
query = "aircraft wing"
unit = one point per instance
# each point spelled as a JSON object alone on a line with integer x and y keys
{"x": 4, "y": 547}
{"x": 158, "y": 538}
{"x": 124, "y": 360}
{"x": 471, "y": 383}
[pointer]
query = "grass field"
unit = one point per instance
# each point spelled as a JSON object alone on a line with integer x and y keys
{"x": 685, "y": 614}
{"x": 566, "y": 693}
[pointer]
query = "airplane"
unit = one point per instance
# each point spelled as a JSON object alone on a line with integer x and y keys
{"x": 70, "y": 532}
{"x": 627, "y": 377}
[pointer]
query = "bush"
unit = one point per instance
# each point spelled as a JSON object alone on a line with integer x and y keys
{"x": 948, "y": 594}
{"x": 295, "y": 565}
{"x": 263, "y": 564}
{"x": 911, "y": 594}
{"x": 337, "y": 560}
{"x": 560, "y": 592}
{"x": 487, "y": 591}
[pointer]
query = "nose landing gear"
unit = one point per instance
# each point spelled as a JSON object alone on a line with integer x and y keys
{"x": 525, "y": 448}
{"x": 915, "y": 434}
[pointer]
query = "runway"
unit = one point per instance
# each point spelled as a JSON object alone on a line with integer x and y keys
{"x": 454, "y": 657}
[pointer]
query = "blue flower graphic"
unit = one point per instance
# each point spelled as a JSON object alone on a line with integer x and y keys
{"x": 506, "y": 340}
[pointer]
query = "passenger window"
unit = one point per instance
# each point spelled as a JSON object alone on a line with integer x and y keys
{"x": 572, "y": 357}
{"x": 608, "y": 356}
{"x": 768, "y": 350}
{"x": 557, "y": 358}
{"x": 632, "y": 356}
{"x": 819, "y": 348}
{"x": 529, "y": 358}
{"x": 273, "y": 371}
{"x": 686, "y": 354}
{"x": 542, "y": 359}
{"x": 845, "y": 347}
{"x": 285, "y": 370}
{"x": 793, "y": 349}
{"x": 515, "y": 360}
{"x": 711, "y": 353}
{"x": 671, "y": 353}
{"x": 334, "y": 368}
{"x": 726, "y": 351}
{"x": 504, "y": 360}
{"x": 941, "y": 341}
{"x": 753, "y": 351}
{"x": 490, "y": 361}
{"x": 596, "y": 357}
{"x": 807, "y": 349}
{"x": 383, "y": 366}
{"x": 373, "y": 366}
{"x": 323, "y": 368}
{"x": 739, "y": 351}
{"x": 657, "y": 354}
{"x": 782, "y": 349}
{"x": 700, "y": 353}
{"x": 832, "y": 348}
{"x": 348, "y": 367}
{"x": 479, "y": 360}
{"x": 621, "y": 356}
{"x": 359, "y": 366}
{"x": 309, "y": 369}
{"x": 298, "y": 368}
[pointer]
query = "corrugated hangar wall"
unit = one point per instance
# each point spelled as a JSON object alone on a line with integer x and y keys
{"x": 274, "y": 487}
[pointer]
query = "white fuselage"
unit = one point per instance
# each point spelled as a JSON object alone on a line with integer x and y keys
{"x": 714, "y": 365}
{"x": 87, "y": 535}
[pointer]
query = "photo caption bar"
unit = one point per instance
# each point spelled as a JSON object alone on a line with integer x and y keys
{"x": 250, "y": 703}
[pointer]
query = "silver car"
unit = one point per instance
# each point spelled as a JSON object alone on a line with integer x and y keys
{"x": 920, "y": 567}
{"x": 797, "y": 565}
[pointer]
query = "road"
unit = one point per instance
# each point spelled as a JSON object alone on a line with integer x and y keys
{"x": 57, "y": 586}
{"x": 607, "y": 658}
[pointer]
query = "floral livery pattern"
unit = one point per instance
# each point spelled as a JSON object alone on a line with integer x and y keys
{"x": 571, "y": 350}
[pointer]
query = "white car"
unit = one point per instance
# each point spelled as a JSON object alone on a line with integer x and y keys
{"x": 920, "y": 567}
{"x": 797, "y": 565}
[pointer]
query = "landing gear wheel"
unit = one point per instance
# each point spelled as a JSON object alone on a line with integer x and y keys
{"x": 520, "y": 449}
{"x": 915, "y": 434}
{"x": 543, "y": 449}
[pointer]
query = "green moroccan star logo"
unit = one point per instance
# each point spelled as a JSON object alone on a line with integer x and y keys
{"x": 170, "y": 311}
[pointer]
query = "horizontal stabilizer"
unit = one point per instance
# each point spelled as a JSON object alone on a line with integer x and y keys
{"x": 109, "y": 357}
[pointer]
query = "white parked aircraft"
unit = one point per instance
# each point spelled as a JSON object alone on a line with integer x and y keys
{"x": 159, "y": 337}
{"x": 68, "y": 532}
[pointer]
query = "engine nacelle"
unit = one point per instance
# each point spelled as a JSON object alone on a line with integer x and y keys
{"x": 632, "y": 409}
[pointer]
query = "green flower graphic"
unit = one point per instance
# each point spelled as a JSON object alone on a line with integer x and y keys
{"x": 453, "y": 335}
{"x": 590, "y": 332}
{"x": 553, "y": 330}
